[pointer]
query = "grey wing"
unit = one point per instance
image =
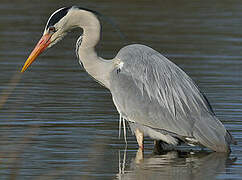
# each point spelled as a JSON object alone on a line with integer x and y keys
{"x": 150, "y": 90}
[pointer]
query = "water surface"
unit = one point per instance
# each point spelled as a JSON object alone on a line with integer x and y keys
{"x": 60, "y": 124}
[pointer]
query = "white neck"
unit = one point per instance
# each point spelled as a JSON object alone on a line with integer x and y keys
{"x": 94, "y": 65}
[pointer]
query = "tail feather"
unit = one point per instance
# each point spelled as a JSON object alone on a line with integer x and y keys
{"x": 230, "y": 139}
{"x": 211, "y": 133}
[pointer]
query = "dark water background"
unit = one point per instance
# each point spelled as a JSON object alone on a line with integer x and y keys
{"x": 60, "y": 124}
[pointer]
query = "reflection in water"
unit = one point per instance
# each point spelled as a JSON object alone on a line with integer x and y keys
{"x": 175, "y": 165}
{"x": 10, "y": 88}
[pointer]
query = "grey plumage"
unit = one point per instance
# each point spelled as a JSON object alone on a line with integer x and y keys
{"x": 154, "y": 95}
{"x": 152, "y": 91}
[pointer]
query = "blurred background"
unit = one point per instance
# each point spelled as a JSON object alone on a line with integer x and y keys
{"x": 58, "y": 123}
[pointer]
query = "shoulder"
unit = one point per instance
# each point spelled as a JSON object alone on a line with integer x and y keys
{"x": 136, "y": 49}
{"x": 144, "y": 57}
{"x": 141, "y": 54}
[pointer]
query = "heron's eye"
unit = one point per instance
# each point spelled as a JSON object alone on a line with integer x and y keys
{"x": 52, "y": 29}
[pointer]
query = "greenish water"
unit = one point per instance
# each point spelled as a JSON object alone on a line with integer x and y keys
{"x": 60, "y": 124}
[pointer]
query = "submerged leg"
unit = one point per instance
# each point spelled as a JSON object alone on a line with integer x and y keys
{"x": 161, "y": 146}
{"x": 140, "y": 138}
{"x": 139, "y": 156}
{"x": 157, "y": 148}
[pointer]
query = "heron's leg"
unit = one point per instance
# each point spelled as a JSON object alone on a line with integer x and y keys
{"x": 157, "y": 147}
{"x": 161, "y": 147}
{"x": 139, "y": 156}
{"x": 140, "y": 138}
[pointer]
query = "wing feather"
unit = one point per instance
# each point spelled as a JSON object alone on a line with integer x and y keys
{"x": 154, "y": 92}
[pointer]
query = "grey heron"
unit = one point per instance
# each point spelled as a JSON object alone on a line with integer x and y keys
{"x": 155, "y": 96}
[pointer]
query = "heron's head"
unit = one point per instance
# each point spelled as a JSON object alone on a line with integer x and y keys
{"x": 55, "y": 29}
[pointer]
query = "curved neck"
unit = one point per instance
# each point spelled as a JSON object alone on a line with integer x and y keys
{"x": 91, "y": 32}
{"x": 94, "y": 65}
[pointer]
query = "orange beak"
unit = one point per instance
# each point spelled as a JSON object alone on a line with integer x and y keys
{"x": 39, "y": 48}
